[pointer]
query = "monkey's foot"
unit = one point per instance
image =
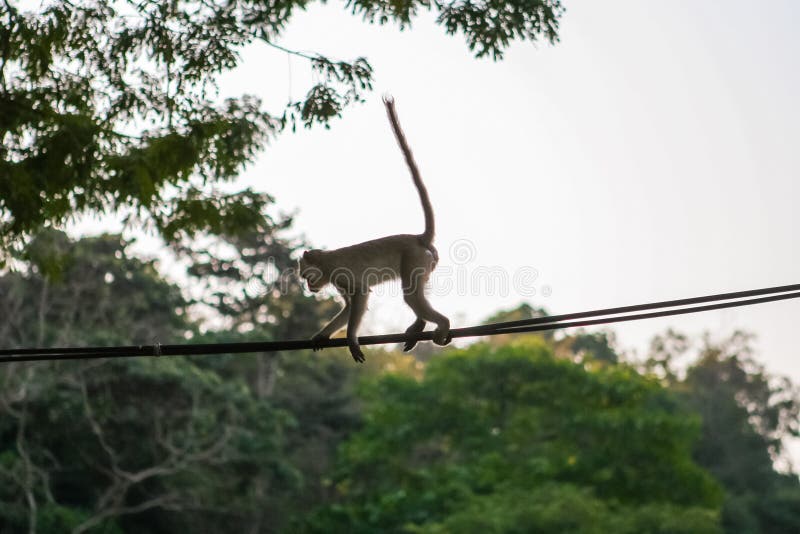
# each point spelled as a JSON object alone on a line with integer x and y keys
{"x": 357, "y": 354}
{"x": 441, "y": 336}
{"x": 317, "y": 342}
{"x": 416, "y": 326}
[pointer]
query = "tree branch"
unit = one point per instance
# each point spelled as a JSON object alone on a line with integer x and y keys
{"x": 168, "y": 501}
{"x": 303, "y": 55}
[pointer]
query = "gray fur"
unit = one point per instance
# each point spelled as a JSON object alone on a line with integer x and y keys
{"x": 353, "y": 270}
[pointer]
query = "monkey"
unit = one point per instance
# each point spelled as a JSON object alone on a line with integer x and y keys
{"x": 354, "y": 269}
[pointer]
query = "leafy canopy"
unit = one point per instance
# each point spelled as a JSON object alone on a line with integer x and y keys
{"x": 124, "y": 445}
{"x": 512, "y": 439}
{"x": 110, "y": 105}
{"x": 748, "y": 415}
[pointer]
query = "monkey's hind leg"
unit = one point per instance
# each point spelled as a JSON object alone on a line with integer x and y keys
{"x": 358, "y": 305}
{"x": 416, "y": 327}
{"x": 415, "y": 298}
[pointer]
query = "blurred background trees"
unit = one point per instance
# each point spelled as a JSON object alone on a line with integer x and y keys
{"x": 512, "y": 439}
{"x": 113, "y": 445}
{"x": 538, "y": 433}
{"x": 747, "y": 415}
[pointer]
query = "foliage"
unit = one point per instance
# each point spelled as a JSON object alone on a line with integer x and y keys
{"x": 248, "y": 284}
{"x": 556, "y": 508}
{"x": 523, "y": 311}
{"x": 489, "y": 423}
{"x": 529, "y": 435}
{"x": 249, "y": 280}
{"x": 747, "y": 415}
{"x": 172, "y": 444}
{"x": 579, "y": 346}
{"x": 87, "y": 292}
{"x": 139, "y": 445}
{"x": 111, "y": 105}
{"x": 135, "y": 444}
{"x": 598, "y": 346}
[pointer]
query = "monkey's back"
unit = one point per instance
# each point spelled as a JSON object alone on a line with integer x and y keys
{"x": 382, "y": 259}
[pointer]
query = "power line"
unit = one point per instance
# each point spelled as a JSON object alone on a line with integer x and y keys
{"x": 488, "y": 328}
{"x": 553, "y": 322}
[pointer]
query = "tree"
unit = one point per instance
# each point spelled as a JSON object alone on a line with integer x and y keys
{"x": 521, "y": 312}
{"x": 512, "y": 439}
{"x": 68, "y": 292}
{"x": 248, "y": 285}
{"x": 747, "y": 416}
{"x": 108, "y": 105}
{"x": 581, "y": 345}
{"x": 170, "y": 444}
{"x": 138, "y": 445}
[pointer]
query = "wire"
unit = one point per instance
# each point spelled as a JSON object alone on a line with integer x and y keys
{"x": 554, "y": 322}
{"x": 636, "y": 317}
{"x": 485, "y": 329}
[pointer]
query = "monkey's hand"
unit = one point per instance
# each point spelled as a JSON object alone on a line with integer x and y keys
{"x": 317, "y": 341}
{"x": 357, "y": 353}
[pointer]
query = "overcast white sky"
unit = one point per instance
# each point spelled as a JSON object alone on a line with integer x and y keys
{"x": 652, "y": 154}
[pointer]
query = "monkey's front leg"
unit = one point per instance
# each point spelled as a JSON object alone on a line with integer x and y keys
{"x": 358, "y": 305}
{"x": 335, "y": 324}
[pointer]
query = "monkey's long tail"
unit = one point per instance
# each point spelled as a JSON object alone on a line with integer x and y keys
{"x": 427, "y": 236}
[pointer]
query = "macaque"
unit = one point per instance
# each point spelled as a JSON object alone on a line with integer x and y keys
{"x": 353, "y": 270}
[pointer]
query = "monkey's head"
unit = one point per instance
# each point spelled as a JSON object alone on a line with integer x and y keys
{"x": 310, "y": 269}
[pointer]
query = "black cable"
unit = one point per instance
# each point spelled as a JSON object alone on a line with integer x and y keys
{"x": 485, "y": 329}
{"x": 638, "y": 316}
{"x": 146, "y": 350}
{"x": 510, "y": 327}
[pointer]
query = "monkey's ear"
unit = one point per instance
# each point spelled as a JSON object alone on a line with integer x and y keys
{"x": 305, "y": 255}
